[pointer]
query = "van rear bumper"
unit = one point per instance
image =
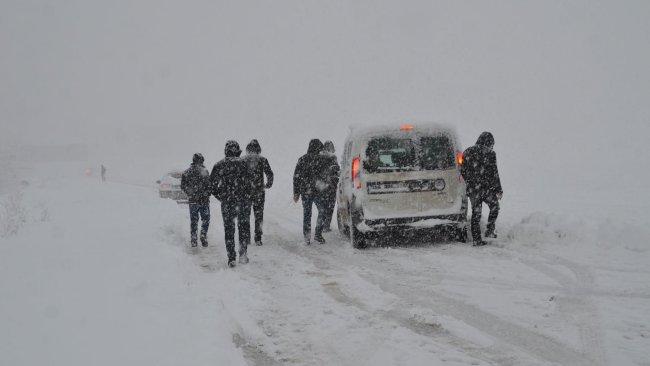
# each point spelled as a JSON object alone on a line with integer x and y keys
{"x": 414, "y": 223}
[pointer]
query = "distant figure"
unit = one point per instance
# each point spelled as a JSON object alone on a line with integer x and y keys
{"x": 259, "y": 166}
{"x": 308, "y": 184}
{"x": 232, "y": 185}
{"x": 195, "y": 182}
{"x": 332, "y": 177}
{"x": 483, "y": 184}
{"x": 103, "y": 173}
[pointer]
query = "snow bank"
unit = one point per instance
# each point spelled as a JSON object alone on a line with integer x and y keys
{"x": 91, "y": 277}
{"x": 544, "y": 228}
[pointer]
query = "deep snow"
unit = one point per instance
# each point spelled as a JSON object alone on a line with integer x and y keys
{"x": 101, "y": 273}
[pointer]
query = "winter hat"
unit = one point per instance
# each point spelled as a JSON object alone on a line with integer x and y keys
{"x": 198, "y": 158}
{"x": 328, "y": 146}
{"x": 232, "y": 149}
{"x": 486, "y": 139}
{"x": 315, "y": 146}
{"x": 253, "y": 147}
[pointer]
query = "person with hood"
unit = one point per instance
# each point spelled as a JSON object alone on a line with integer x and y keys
{"x": 195, "y": 182}
{"x": 332, "y": 179}
{"x": 231, "y": 184}
{"x": 480, "y": 172}
{"x": 308, "y": 184}
{"x": 258, "y": 166}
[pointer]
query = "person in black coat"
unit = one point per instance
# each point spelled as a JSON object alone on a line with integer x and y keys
{"x": 332, "y": 175}
{"x": 309, "y": 184}
{"x": 483, "y": 184}
{"x": 259, "y": 167}
{"x": 195, "y": 182}
{"x": 231, "y": 184}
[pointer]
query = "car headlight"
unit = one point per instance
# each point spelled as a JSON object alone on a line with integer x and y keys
{"x": 439, "y": 184}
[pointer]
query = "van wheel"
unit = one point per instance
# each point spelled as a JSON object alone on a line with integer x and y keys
{"x": 356, "y": 237}
{"x": 343, "y": 229}
{"x": 461, "y": 234}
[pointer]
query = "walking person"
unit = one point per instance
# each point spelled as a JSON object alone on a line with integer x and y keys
{"x": 308, "y": 185}
{"x": 231, "y": 184}
{"x": 332, "y": 175}
{"x": 195, "y": 182}
{"x": 103, "y": 173}
{"x": 483, "y": 184}
{"x": 259, "y": 167}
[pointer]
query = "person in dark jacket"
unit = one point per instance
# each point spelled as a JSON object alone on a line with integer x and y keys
{"x": 231, "y": 184}
{"x": 259, "y": 167}
{"x": 195, "y": 182}
{"x": 483, "y": 184}
{"x": 308, "y": 184}
{"x": 332, "y": 175}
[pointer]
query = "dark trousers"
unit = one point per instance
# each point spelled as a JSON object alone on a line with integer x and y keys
{"x": 239, "y": 210}
{"x": 307, "y": 202}
{"x": 330, "y": 202}
{"x": 258, "y": 213}
{"x": 197, "y": 209}
{"x": 477, "y": 205}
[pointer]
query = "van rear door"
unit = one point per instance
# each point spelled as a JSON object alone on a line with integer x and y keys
{"x": 438, "y": 160}
{"x": 409, "y": 176}
{"x": 389, "y": 164}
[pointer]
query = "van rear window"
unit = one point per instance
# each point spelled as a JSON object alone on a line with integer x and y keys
{"x": 437, "y": 152}
{"x": 390, "y": 154}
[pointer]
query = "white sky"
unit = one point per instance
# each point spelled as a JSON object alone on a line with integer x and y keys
{"x": 563, "y": 85}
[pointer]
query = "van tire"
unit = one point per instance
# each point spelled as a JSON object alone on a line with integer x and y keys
{"x": 343, "y": 229}
{"x": 357, "y": 238}
{"x": 461, "y": 234}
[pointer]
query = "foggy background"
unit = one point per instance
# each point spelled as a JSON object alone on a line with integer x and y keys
{"x": 141, "y": 85}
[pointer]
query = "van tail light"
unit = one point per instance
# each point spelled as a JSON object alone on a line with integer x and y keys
{"x": 356, "y": 168}
{"x": 459, "y": 157}
{"x": 164, "y": 186}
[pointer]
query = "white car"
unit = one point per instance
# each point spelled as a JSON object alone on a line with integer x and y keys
{"x": 401, "y": 178}
{"x": 169, "y": 186}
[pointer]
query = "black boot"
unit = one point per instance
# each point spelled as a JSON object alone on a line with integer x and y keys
{"x": 479, "y": 243}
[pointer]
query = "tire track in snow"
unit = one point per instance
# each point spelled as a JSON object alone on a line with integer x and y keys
{"x": 575, "y": 303}
{"x": 541, "y": 346}
{"x": 397, "y": 317}
{"x": 376, "y": 327}
{"x": 284, "y": 316}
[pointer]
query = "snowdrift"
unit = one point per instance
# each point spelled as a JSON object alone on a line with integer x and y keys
{"x": 567, "y": 230}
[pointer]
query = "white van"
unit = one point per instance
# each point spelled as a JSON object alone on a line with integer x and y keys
{"x": 400, "y": 178}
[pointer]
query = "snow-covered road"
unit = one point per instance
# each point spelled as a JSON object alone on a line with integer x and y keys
{"x": 101, "y": 274}
{"x": 411, "y": 305}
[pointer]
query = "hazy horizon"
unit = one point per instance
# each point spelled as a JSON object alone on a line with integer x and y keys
{"x": 563, "y": 86}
